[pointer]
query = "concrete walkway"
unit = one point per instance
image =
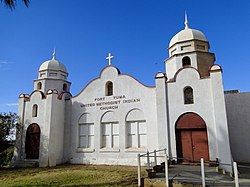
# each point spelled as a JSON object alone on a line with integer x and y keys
{"x": 190, "y": 174}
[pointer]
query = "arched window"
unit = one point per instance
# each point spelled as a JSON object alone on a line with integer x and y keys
{"x": 136, "y": 129}
{"x": 65, "y": 87}
{"x": 186, "y": 61}
{"x": 39, "y": 85}
{"x": 34, "y": 110}
{"x": 109, "y": 88}
{"x": 109, "y": 131}
{"x": 86, "y": 131}
{"x": 188, "y": 95}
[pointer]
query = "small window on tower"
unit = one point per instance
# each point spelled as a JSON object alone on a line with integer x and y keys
{"x": 109, "y": 88}
{"x": 34, "y": 110}
{"x": 186, "y": 61}
{"x": 65, "y": 87}
{"x": 39, "y": 85}
{"x": 188, "y": 95}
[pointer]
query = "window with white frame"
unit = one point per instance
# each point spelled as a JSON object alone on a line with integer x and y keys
{"x": 86, "y": 135}
{"x": 110, "y": 135}
{"x": 136, "y": 134}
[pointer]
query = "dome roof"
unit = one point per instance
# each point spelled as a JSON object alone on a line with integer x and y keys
{"x": 187, "y": 34}
{"x": 53, "y": 64}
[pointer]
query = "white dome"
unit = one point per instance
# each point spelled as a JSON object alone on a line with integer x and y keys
{"x": 187, "y": 34}
{"x": 53, "y": 65}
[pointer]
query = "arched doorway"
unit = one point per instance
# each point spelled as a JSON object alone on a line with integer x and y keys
{"x": 32, "y": 143}
{"x": 191, "y": 138}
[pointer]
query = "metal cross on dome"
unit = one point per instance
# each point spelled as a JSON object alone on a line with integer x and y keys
{"x": 109, "y": 58}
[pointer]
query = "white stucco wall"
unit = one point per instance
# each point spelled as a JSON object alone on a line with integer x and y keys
{"x": 56, "y": 130}
{"x": 26, "y": 119}
{"x": 202, "y": 105}
{"x": 173, "y": 64}
{"x": 128, "y": 95}
{"x": 162, "y": 111}
{"x": 50, "y": 118}
{"x": 54, "y": 84}
{"x": 67, "y": 131}
{"x": 221, "y": 126}
{"x": 208, "y": 104}
{"x": 238, "y": 110}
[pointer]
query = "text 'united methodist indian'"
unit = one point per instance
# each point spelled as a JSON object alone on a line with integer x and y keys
{"x": 103, "y": 104}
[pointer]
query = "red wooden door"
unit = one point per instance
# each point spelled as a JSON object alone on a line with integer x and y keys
{"x": 191, "y": 138}
{"x": 186, "y": 145}
{"x": 193, "y": 145}
{"x": 32, "y": 143}
{"x": 200, "y": 145}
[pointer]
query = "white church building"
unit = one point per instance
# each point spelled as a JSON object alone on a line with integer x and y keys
{"x": 115, "y": 117}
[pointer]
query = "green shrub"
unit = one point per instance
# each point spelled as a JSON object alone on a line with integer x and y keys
{"x": 6, "y": 156}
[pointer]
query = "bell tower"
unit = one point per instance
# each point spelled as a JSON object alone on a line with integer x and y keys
{"x": 53, "y": 75}
{"x": 189, "y": 48}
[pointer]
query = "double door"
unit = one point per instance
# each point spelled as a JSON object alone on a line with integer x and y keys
{"x": 192, "y": 145}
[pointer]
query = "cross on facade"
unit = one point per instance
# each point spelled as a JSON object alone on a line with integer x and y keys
{"x": 109, "y": 58}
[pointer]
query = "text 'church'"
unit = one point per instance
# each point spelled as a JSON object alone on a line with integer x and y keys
{"x": 115, "y": 117}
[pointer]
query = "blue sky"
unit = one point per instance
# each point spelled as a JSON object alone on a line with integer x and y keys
{"x": 136, "y": 32}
